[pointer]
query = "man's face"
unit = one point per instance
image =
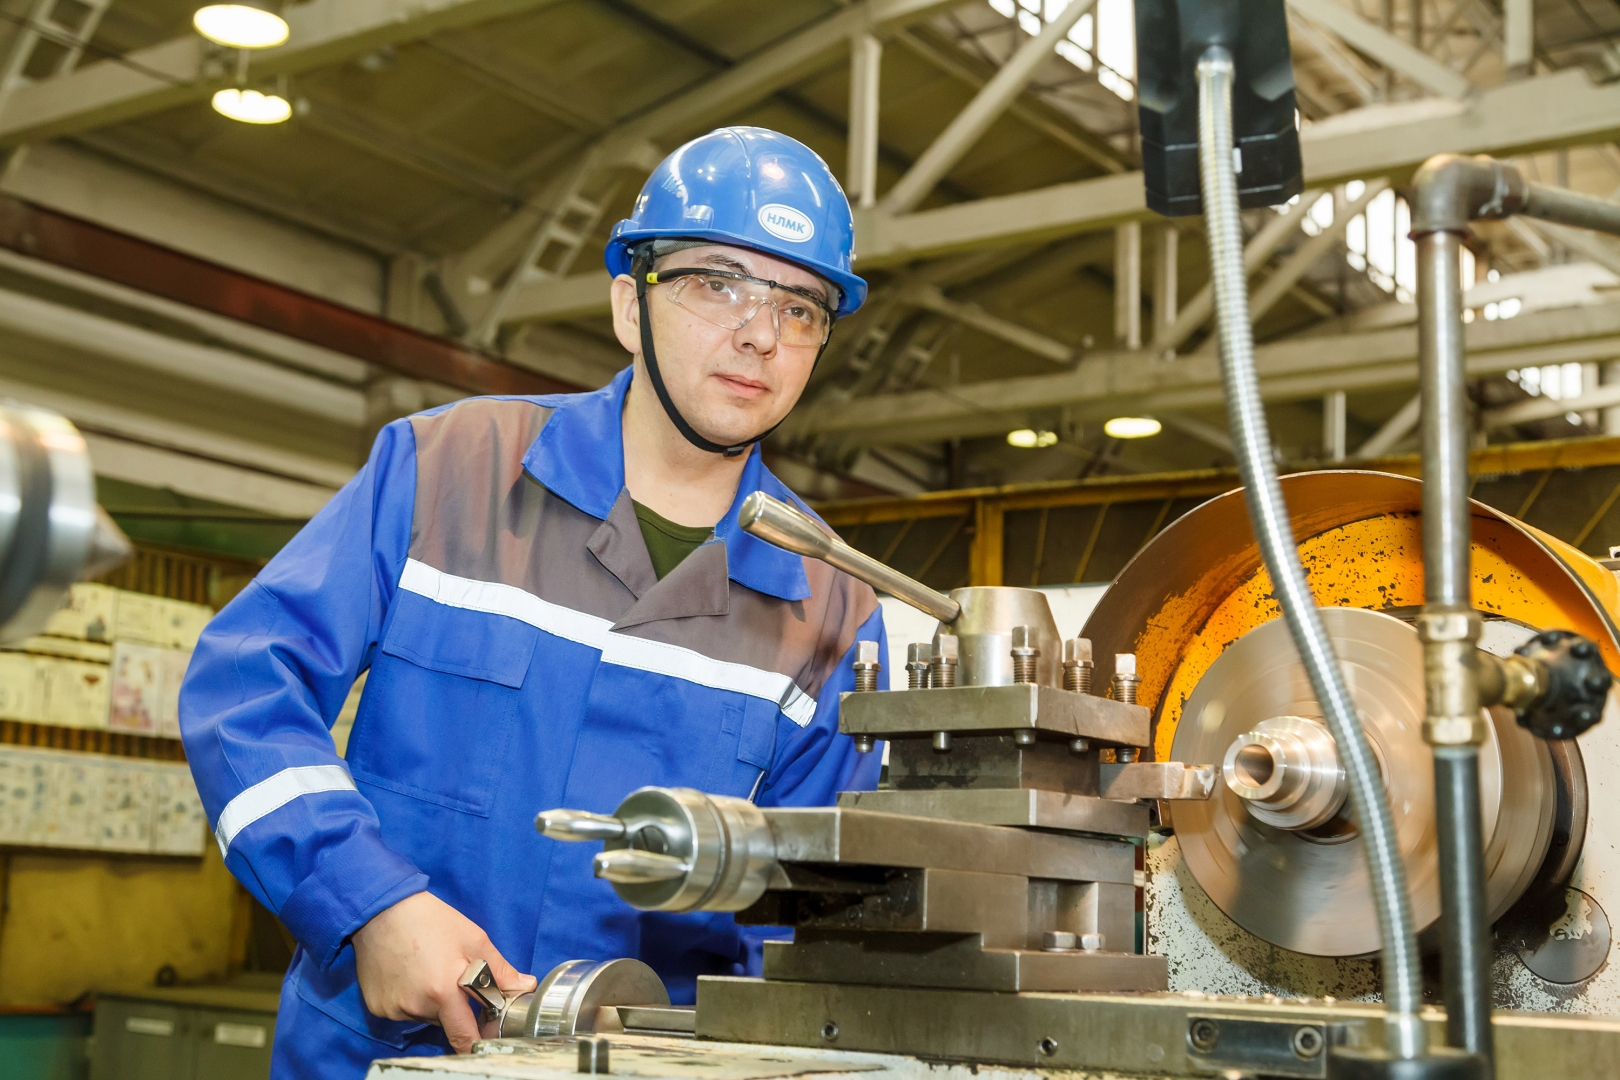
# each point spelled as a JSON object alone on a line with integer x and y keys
{"x": 729, "y": 384}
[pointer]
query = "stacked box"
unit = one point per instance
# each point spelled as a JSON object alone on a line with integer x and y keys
{"x": 22, "y": 691}
{"x": 90, "y": 614}
{"x": 156, "y": 620}
{"x": 61, "y": 799}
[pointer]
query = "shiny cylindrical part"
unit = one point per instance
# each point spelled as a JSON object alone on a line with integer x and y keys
{"x": 942, "y": 665}
{"x": 52, "y": 533}
{"x": 1024, "y": 655}
{"x": 1077, "y": 667}
{"x": 1465, "y": 932}
{"x": 578, "y": 825}
{"x": 1286, "y": 770}
{"x": 568, "y": 1000}
{"x": 683, "y": 850}
{"x": 942, "y": 742}
{"x": 866, "y": 666}
{"x": 787, "y": 527}
{"x": 865, "y": 744}
{"x": 1125, "y": 755}
{"x": 1403, "y": 1027}
{"x": 918, "y": 654}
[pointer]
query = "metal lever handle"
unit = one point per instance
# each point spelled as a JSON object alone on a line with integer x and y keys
{"x": 479, "y": 983}
{"x": 578, "y": 825}
{"x": 778, "y": 523}
{"x": 628, "y": 866}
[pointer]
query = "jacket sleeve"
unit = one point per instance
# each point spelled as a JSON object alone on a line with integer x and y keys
{"x": 268, "y": 677}
{"x": 820, "y": 762}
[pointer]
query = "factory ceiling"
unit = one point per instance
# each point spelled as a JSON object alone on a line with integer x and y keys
{"x": 453, "y": 166}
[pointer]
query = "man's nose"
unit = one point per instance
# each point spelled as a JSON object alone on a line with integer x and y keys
{"x": 759, "y": 331}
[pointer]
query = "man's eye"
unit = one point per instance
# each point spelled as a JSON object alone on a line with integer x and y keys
{"x": 798, "y": 311}
{"x": 714, "y": 285}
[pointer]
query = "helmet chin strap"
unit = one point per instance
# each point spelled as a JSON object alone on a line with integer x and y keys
{"x": 639, "y": 270}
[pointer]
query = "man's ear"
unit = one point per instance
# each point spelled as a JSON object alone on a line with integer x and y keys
{"x": 626, "y": 313}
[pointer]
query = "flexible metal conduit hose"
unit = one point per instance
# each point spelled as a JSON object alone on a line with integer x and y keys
{"x": 1404, "y": 1033}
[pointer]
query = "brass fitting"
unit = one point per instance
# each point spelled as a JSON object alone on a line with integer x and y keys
{"x": 1450, "y": 676}
{"x": 1515, "y": 681}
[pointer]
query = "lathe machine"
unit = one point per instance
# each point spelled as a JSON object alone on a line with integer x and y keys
{"x": 1326, "y": 755}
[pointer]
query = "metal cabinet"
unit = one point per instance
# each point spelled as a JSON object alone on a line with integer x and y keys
{"x": 165, "y": 1039}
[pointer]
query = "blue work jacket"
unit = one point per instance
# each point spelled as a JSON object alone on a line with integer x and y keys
{"x": 487, "y": 568}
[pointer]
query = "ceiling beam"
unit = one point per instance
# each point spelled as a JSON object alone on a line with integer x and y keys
{"x": 190, "y": 68}
{"x": 1292, "y": 368}
{"x": 1385, "y": 47}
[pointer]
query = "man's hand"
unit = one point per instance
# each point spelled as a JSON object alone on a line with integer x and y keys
{"x": 411, "y": 958}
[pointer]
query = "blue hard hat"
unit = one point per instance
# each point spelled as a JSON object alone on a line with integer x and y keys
{"x": 754, "y": 188}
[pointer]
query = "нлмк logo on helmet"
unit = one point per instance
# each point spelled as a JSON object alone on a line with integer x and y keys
{"x": 786, "y": 223}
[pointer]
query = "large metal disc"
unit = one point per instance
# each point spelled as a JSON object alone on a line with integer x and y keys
{"x": 1308, "y": 890}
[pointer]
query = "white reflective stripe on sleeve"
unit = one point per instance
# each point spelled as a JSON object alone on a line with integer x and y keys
{"x": 621, "y": 650}
{"x": 268, "y": 796}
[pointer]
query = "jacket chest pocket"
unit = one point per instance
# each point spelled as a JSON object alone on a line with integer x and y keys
{"x": 745, "y": 748}
{"x": 440, "y": 703}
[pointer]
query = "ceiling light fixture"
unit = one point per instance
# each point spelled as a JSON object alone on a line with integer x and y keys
{"x": 252, "y": 24}
{"x": 252, "y": 107}
{"x": 1028, "y": 439}
{"x": 1132, "y": 427}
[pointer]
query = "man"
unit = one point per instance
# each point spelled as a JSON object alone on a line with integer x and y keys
{"x": 556, "y": 606}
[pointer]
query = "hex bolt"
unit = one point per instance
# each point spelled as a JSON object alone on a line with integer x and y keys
{"x": 1024, "y": 736}
{"x": 1091, "y": 942}
{"x": 866, "y": 666}
{"x": 917, "y": 656}
{"x": 865, "y": 744}
{"x": 1125, "y": 755}
{"x": 1059, "y": 941}
{"x": 1079, "y": 746}
{"x": 829, "y": 1031}
{"x": 593, "y": 1056}
{"x": 1125, "y": 680}
{"x": 1024, "y": 655}
{"x": 942, "y": 742}
{"x": 1077, "y": 666}
{"x": 942, "y": 666}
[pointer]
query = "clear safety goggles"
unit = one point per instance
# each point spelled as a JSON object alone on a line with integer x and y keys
{"x": 730, "y": 300}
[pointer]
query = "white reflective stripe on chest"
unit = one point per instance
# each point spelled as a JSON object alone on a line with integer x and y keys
{"x": 621, "y": 650}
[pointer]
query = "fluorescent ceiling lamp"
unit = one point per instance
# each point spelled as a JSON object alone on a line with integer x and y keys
{"x": 1026, "y": 439}
{"x": 241, "y": 26}
{"x": 252, "y": 107}
{"x": 1131, "y": 427}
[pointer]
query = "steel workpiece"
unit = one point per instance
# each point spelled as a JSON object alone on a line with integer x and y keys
{"x": 1402, "y": 976}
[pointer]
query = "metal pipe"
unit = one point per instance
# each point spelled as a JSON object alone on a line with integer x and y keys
{"x": 1403, "y": 1029}
{"x": 778, "y": 523}
{"x": 1571, "y": 208}
{"x": 1465, "y": 939}
{"x": 1449, "y": 194}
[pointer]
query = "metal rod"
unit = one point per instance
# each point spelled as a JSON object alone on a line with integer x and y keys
{"x": 1443, "y": 387}
{"x": 778, "y": 523}
{"x": 1448, "y": 626}
{"x": 1465, "y": 941}
{"x": 1404, "y": 1034}
{"x": 1571, "y": 208}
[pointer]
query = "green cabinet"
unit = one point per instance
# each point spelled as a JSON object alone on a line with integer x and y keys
{"x": 182, "y": 1035}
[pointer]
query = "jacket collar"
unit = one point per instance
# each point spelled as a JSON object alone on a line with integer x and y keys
{"x": 579, "y": 456}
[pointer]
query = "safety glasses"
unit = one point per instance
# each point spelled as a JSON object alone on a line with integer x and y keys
{"x": 730, "y": 300}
